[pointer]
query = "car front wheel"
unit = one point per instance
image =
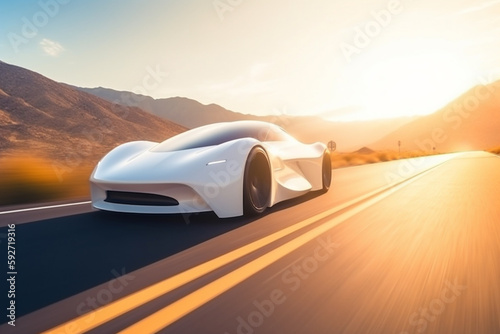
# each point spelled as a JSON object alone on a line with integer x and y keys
{"x": 256, "y": 182}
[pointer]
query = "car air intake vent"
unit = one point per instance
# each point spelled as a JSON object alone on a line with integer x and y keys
{"x": 130, "y": 198}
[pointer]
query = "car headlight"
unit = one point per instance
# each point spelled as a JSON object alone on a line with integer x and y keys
{"x": 216, "y": 162}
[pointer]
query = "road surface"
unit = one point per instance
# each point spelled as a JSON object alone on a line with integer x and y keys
{"x": 409, "y": 246}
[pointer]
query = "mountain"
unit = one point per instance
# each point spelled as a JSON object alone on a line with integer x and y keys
{"x": 181, "y": 110}
{"x": 365, "y": 150}
{"x": 470, "y": 122}
{"x": 191, "y": 113}
{"x": 39, "y": 116}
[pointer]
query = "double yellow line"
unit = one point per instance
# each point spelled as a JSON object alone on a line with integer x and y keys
{"x": 110, "y": 311}
{"x": 196, "y": 299}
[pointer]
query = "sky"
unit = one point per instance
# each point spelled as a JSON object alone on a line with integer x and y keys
{"x": 342, "y": 60}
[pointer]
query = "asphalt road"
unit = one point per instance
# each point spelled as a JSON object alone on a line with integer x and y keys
{"x": 409, "y": 246}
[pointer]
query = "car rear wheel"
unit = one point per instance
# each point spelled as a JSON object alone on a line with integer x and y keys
{"x": 256, "y": 182}
{"x": 326, "y": 171}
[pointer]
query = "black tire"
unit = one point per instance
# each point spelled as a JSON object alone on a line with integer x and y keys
{"x": 326, "y": 171}
{"x": 256, "y": 182}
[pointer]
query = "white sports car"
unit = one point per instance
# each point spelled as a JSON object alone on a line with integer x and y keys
{"x": 232, "y": 168}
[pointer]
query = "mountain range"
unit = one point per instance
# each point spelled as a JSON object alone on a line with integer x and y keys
{"x": 470, "y": 122}
{"x": 42, "y": 117}
{"x": 191, "y": 113}
{"x": 39, "y": 116}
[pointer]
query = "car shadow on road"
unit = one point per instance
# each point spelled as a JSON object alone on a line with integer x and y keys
{"x": 63, "y": 256}
{"x": 67, "y": 255}
{"x": 294, "y": 201}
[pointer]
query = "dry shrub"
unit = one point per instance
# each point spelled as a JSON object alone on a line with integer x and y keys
{"x": 371, "y": 159}
{"x": 28, "y": 179}
{"x": 355, "y": 159}
{"x": 339, "y": 163}
{"x": 495, "y": 150}
{"x": 383, "y": 156}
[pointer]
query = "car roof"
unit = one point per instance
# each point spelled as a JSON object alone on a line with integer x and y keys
{"x": 218, "y": 133}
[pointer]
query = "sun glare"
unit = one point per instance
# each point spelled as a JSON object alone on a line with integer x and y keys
{"x": 405, "y": 81}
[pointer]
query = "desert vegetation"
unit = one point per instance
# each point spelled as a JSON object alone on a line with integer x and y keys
{"x": 495, "y": 150}
{"x": 340, "y": 160}
{"x": 27, "y": 179}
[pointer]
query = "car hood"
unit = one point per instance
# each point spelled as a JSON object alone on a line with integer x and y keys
{"x": 150, "y": 166}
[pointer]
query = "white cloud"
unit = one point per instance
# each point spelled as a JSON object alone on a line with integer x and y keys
{"x": 52, "y": 48}
{"x": 483, "y": 6}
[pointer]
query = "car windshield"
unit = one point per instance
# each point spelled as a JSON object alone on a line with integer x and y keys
{"x": 216, "y": 134}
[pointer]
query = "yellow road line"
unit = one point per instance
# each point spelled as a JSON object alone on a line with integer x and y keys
{"x": 93, "y": 319}
{"x": 178, "y": 309}
{"x": 110, "y": 311}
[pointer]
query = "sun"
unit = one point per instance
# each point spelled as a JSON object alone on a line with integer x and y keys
{"x": 406, "y": 81}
